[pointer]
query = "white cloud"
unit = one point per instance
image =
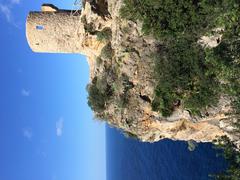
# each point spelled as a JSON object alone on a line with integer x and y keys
{"x": 59, "y": 127}
{"x": 27, "y": 133}
{"x": 6, "y": 11}
{"x": 25, "y": 92}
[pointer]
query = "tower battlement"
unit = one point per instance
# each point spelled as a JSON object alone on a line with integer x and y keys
{"x": 54, "y": 31}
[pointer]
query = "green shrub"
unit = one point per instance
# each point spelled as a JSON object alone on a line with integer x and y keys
{"x": 125, "y": 85}
{"x": 171, "y": 18}
{"x": 130, "y": 135}
{"x": 181, "y": 74}
{"x": 192, "y": 145}
{"x": 126, "y": 30}
{"x": 107, "y": 51}
{"x": 224, "y": 62}
{"x": 105, "y": 34}
{"x": 89, "y": 27}
{"x": 99, "y": 61}
{"x": 232, "y": 155}
{"x": 100, "y": 93}
{"x": 185, "y": 71}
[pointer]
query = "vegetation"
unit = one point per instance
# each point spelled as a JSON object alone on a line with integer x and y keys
{"x": 173, "y": 19}
{"x": 224, "y": 61}
{"x": 187, "y": 73}
{"x": 89, "y": 27}
{"x": 99, "y": 61}
{"x": 182, "y": 76}
{"x": 232, "y": 155}
{"x": 125, "y": 96}
{"x": 99, "y": 94}
{"x": 107, "y": 51}
{"x": 130, "y": 135}
{"x": 105, "y": 34}
{"x": 190, "y": 74}
{"x": 192, "y": 145}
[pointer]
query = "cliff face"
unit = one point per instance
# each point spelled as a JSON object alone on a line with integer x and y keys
{"x": 122, "y": 75}
{"x": 129, "y": 72}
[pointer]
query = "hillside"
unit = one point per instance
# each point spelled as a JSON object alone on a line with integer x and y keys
{"x": 138, "y": 87}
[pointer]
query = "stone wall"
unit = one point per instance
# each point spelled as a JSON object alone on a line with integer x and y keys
{"x": 54, "y": 32}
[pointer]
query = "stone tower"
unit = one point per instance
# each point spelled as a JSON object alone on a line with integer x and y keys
{"x": 55, "y": 31}
{"x": 66, "y": 31}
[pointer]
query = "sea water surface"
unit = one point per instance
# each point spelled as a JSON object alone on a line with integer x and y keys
{"x": 128, "y": 159}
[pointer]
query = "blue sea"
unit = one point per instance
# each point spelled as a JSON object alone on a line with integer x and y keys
{"x": 128, "y": 159}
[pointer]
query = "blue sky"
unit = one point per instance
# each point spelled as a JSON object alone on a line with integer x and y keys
{"x": 47, "y": 131}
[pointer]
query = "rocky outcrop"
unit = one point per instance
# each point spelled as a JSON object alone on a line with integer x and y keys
{"x": 131, "y": 74}
{"x": 122, "y": 64}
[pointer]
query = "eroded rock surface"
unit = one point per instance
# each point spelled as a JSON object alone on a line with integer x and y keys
{"x": 126, "y": 69}
{"x": 131, "y": 70}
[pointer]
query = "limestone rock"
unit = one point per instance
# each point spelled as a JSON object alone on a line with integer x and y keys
{"x": 129, "y": 71}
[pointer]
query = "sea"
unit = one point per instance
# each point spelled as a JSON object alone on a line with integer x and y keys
{"x": 129, "y": 159}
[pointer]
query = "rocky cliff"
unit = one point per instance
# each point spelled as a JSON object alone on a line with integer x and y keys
{"x": 123, "y": 72}
{"x": 122, "y": 83}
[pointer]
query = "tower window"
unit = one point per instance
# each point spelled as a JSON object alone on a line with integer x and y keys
{"x": 39, "y": 27}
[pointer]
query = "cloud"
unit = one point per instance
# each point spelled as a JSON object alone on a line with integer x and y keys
{"x": 59, "y": 127}
{"x": 25, "y": 92}
{"x": 27, "y": 133}
{"x": 6, "y": 11}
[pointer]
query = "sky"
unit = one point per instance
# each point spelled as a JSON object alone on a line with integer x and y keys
{"x": 47, "y": 130}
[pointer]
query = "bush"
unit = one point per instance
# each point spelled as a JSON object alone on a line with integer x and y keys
{"x": 232, "y": 155}
{"x": 107, "y": 51}
{"x": 171, "y": 18}
{"x": 105, "y": 34}
{"x": 181, "y": 74}
{"x": 130, "y": 135}
{"x": 186, "y": 72}
{"x": 89, "y": 27}
{"x": 224, "y": 61}
{"x": 192, "y": 145}
{"x": 99, "y": 61}
{"x": 100, "y": 93}
{"x": 126, "y": 30}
